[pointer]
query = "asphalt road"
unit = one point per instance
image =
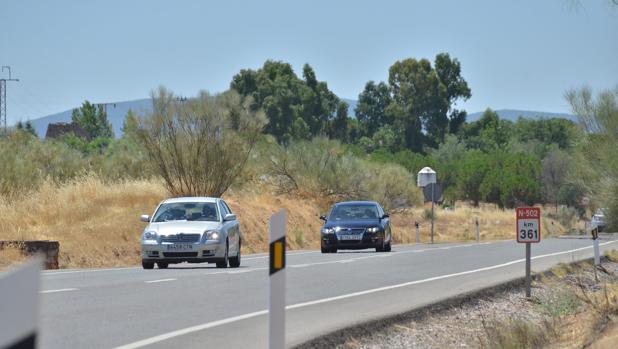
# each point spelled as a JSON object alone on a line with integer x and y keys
{"x": 198, "y": 305}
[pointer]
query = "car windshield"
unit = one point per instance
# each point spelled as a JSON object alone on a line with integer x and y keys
{"x": 187, "y": 211}
{"x": 346, "y": 212}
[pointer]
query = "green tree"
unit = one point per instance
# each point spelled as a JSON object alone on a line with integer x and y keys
{"x": 26, "y": 127}
{"x": 371, "y": 107}
{"x": 555, "y": 168}
{"x": 284, "y": 98}
{"x": 414, "y": 87}
{"x": 472, "y": 171}
{"x": 339, "y": 128}
{"x": 418, "y": 101}
{"x": 596, "y": 169}
{"x": 130, "y": 126}
{"x": 454, "y": 87}
{"x": 488, "y": 133}
{"x": 93, "y": 119}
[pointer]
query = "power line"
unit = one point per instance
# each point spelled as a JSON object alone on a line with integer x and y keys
{"x": 3, "y": 97}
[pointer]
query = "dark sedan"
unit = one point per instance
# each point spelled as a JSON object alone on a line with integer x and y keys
{"x": 355, "y": 225}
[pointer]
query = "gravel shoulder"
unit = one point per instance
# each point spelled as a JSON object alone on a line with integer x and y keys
{"x": 570, "y": 308}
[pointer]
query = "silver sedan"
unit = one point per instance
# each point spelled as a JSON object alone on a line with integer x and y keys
{"x": 191, "y": 229}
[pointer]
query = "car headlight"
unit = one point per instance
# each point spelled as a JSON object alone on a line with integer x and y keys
{"x": 373, "y": 230}
{"x": 211, "y": 235}
{"x": 328, "y": 230}
{"x": 150, "y": 235}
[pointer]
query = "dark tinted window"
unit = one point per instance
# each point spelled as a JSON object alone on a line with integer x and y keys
{"x": 345, "y": 212}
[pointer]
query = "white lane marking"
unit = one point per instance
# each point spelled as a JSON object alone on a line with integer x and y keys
{"x": 299, "y": 265}
{"x": 188, "y": 330}
{"x": 177, "y": 333}
{"x": 240, "y": 271}
{"x": 60, "y": 290}
{"x": 287, "y": 254}
{"x": 160, "y": 280}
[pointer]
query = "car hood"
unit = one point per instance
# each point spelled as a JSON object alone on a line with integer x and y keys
{"x": 353, "y": 223}
{"x": 176, "y": 227}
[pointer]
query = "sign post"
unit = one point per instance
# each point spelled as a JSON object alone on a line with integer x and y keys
{"x": 528, "y": 231}
{"x": 426, "y": 177}
{"x": 276, "y": 304}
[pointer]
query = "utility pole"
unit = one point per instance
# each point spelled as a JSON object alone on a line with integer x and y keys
{"x": 3, "y": 97}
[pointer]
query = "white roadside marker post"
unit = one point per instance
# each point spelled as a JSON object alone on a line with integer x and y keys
{"x": 19, "y": 306}
{"x": 595, "y": 243}
{"x": 478, "y": 231}
{"x": 276, "y": 304}
{"x": 528, "y": 231}
{"x": 418, "y": 232}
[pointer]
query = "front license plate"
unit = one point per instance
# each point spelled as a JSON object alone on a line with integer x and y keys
{"x": 350, "y": 237}
{"x": 179, "y": 247}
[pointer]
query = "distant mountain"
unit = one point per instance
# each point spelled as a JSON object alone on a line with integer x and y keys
{"x": 513, "y": 115}
{"x": 116, "y": 113}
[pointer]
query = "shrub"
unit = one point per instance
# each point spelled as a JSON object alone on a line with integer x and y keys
{"x": 200, "y": 146}
{"x": 26, "y": 161}
{"x": 323, "y": 168}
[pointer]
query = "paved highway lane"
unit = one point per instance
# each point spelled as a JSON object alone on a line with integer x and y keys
{"x": 198, "y": 305}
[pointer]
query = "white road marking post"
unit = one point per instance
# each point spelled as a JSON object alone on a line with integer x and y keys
{"x": 276, "y": 304}
{"x": 19, "y": 306}
{"x": 478, "y": 231}
{"x": 595, "y": 243}
{"x": 418, "y": 232}
{"x": 528, "y": 231}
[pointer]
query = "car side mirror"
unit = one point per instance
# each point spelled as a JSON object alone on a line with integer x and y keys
{"x": 229, "y": 217}
{"x": 386, "y": 215}
{"x": 323, "y": 218}
{"x": 144, "y": 218}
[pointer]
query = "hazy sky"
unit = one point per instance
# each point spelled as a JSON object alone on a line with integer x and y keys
{"x": 514, "y": 54}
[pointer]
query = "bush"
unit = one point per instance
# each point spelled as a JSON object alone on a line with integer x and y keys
{"x": 27, "y": 161}
{"x": 200, "y": 146}
{"x": 322, "y": 167}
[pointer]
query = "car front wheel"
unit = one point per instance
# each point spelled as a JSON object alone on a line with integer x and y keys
{"x": 225, "y": 261}
{"x": 235, "y": 261}
{"x": 147, "y": 265}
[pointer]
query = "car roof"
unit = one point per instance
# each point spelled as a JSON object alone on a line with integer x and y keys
{"x": 191, "y": 199}
{"x": 356, "y": 203}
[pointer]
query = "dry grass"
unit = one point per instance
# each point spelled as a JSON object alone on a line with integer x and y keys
{"x": 97, "y": 223}
{"x": 459, "y": 224}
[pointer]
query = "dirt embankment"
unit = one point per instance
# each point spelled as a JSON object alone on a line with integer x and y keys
{"x": 97, "y": 223}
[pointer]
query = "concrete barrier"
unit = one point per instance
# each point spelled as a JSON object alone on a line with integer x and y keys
{"x": 49, "y": 249}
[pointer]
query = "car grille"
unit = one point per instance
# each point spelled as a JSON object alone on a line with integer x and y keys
{"x": 181, "y": 238}
{"x": 352, "y": 230}
{"x": 179, "y": 254}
